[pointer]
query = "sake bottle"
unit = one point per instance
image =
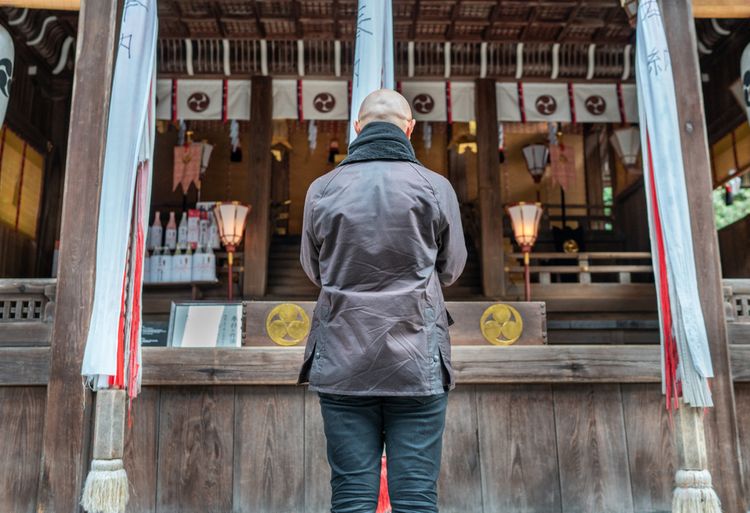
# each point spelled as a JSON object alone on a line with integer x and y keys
{"x": 166, "y": 262}
{"x": 196, "y": 265}
{"x": 203, "y": 229}
{"x": 213, "y": 232}
{"x": 209, "y": 263}
{"x": 147, "y": 268}
{"x": 189, "y": 264}
{"x": 192, "y": 223}
{"x": 182, "y": 232}
{"x": 155, "y": 269}
{"x": 155, "y": 232}
{"x": 181, "y": 265}
{"x": 170, "y": 236}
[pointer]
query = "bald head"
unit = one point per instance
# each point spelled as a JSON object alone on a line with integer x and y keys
{"x": 385, "y": 105}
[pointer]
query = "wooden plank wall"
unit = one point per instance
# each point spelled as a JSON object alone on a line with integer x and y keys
{"x": 518, "y": 448}
{"x": 508, "y": 448}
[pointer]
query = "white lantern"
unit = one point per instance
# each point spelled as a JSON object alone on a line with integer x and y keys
{"x": 627, "y": 144}
{"x": 745, "y": 79}
{"x": 524, "y": 218}
{"x": 230, "y": 219}
{"x": 536, "y": 156}
{"x": 6, "y": 70}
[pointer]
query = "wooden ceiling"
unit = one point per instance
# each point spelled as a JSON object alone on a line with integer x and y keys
{"x": 599, "y": 21}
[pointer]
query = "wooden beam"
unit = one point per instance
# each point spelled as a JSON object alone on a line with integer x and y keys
{"x": 720, "y": 421}
{"x": 258, "y": 231}
{"x": 490, "y": 207}
{"x": 721, "y": 9}
{"x": 22, "y": 366}
{"x": 279, "y": 366}
{"x": 68, "y": 407}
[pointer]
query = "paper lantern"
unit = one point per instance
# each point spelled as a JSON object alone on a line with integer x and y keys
{"x": 230, "y": 219}
{"x": 627, "y": 144}
{"x": 536, "y": 156}
{"x": 524, "y": 218}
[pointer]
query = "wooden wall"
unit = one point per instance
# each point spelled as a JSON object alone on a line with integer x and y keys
{"x": 17, "y": 253}
{"x": 508, "y": 448}
{"x": 735, "y": 258}
{"x": 520, "y": 448}
{"x": 631, "y": 218}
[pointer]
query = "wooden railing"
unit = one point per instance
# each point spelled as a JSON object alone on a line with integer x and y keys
{"x": 27, "y": 311}
{"x": 611, "y": 267}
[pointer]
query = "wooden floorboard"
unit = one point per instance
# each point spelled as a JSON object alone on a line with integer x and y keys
{"x": 652, "y": 455}
{"x": 317, "y": 471}
{"x": 141, "y": 450}
{"x": 516, "y": 428}
{"x": 196, "y": 450}
{"x": 591, "y": 447}
{"x": 269, "y": 450}
{"x": 21, "y": 424}
{"x": 460, "y": 483}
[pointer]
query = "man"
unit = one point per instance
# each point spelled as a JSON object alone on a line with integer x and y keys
{"x": 380, "y": 235}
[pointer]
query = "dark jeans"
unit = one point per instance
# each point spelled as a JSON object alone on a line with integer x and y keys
{"x": 411, "y": 429}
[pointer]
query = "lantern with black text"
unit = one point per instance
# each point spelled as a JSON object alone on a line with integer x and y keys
{"x": 230, "y": 219}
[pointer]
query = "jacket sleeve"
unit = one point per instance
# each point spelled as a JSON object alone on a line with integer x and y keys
{"x": 310, "y": 247}
{"x": 451, "y": 256}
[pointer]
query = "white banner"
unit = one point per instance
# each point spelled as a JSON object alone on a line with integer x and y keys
{"x": 507, "y": 101}
{"x": 462, "y": 101}
{"x": 546, "y": 102}
{"x": 669, "y": 224}
{"x": 199, "y": 99}
{"x": 325, "y": 99}
{"x": 373, "y": 54}
{"x": 238, "y": 99}
{"x": 596, "y": 103}
{"x": 284, "y": 99}
{"x": 128, "y": 129}
{"x": 630, "y": 102}
{"x": 427, "y": 100}
{"x": 745, "y": 79}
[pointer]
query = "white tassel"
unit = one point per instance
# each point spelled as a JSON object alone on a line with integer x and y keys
{"x": 106, "y": 488}
{"x": 693, "y": 493}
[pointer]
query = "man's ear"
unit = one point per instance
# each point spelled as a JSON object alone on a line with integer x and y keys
{"x": 410, "y": 128}
{"x": 357, "y": 126}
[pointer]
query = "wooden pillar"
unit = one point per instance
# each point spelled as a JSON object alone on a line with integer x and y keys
{"x": 720, "y": 421}
{"x": 258, "y": 231}
{"x": 490, "y": 207}
{"x": 68, "y": 408}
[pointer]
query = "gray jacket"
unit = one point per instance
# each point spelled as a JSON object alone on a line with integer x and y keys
{"x": 379, "y": 238}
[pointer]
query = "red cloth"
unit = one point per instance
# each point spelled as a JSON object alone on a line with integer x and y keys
{"x": 187, "y": 166}
{"x": 562, "y": 165}
{"x": 384, "y": 500}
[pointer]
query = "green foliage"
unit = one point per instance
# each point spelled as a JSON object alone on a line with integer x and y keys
{"x": 726, "y": 215}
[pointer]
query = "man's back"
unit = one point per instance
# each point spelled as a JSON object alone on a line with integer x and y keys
{"x": 379, "y": 238}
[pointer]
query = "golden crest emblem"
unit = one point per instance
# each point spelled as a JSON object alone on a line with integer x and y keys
{"x": 501, "y": 325}
{"x": 287, "y": 324}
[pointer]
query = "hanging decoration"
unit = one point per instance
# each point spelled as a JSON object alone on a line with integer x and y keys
{"x": 333, "y": 150}
{"x": 427, "y": 135}
{"x": 745, "y": 79}
{"x": 7, "y": 59}
{"x": 501, "y": 142}
{"x": 312, "y": 135}
{"x": 373, "y": 54}
{"x": 234, "y": 141}
{"x": 447, "y": 101}
{"x": 112, "y": 355}
{"x": 187, "y": 166}
{"x": 687, "y": 362}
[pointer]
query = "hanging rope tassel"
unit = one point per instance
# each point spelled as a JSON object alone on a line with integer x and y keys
{"x": 106, "y": 488}
{"x": 693, "y": 491}
{"x": 384, "y": 500}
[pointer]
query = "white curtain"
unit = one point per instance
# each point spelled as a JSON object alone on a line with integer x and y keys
{"x": 669, "y": 213}
{"x": 129, "y": 143}
{"x": 373, "y": 54}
